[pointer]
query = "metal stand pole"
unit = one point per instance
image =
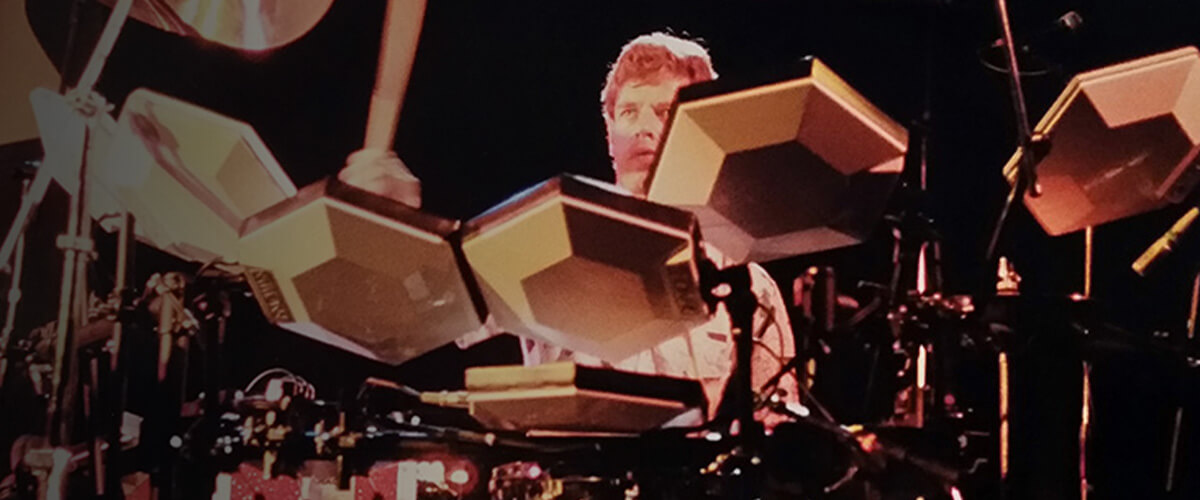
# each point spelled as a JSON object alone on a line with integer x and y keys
{"x": 14, "y": 295}
{"x": 77, "y": 246}
{"x": 1026, "y": 180}
{"x": 1088, "y": 246}
{"x": 1086, "y": 408}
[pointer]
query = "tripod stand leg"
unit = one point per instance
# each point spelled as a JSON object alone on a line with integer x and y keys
{"x": 31, "y": 197}
{"x": 14, "y": 295}
{"x": 1172, "y": 459}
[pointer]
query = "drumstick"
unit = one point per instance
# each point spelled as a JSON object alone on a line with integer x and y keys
{"x": 397, "y": 50}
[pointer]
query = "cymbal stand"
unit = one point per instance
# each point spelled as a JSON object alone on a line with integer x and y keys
{"x": 52, "y": 461}
{"x": 78, "y": 247}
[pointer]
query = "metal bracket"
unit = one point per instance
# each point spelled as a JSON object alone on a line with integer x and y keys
{"x": 84, "y": 245}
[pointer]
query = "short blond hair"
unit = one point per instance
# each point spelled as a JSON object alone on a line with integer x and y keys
{"x": 648, "y": 58}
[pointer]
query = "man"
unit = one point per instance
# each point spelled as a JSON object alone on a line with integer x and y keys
{"x": 635, "y": 102}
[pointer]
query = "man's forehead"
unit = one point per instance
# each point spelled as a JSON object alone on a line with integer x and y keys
{"x": 662, "y": 88}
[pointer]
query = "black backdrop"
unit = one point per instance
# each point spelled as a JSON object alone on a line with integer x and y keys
{"x": 503, "y": 96}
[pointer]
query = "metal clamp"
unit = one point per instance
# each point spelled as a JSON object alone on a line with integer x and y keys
{"x": 78, "y": 244}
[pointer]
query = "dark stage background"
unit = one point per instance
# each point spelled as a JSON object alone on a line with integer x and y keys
{"x": 506, "y": 94}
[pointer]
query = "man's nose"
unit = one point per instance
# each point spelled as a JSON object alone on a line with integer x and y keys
{"x": 649, "y": 124}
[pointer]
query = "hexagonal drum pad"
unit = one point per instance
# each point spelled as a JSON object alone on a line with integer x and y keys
{"x": 577, "y": 264}
{"x": 1123, "y": 141}
{"x": 360, "y": 272}
{"x": 779, "y": 165}
{"x": 191, "y": 177}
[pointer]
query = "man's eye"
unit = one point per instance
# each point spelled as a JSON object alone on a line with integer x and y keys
{"x": 627, "y": 113}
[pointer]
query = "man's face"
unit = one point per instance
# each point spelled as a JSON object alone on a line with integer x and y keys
{"x": 636, "y": 127}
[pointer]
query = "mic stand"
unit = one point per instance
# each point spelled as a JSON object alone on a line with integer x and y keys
{"x": 1024, "y": 181}
{"x": 1028, "y": 146}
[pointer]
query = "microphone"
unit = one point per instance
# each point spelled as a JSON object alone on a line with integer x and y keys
{"x": 1165, "y": 243}
{"x": 445, "y": 399}
{"x": 1071, "y": 21}
{"x": 1066, "y": 24}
